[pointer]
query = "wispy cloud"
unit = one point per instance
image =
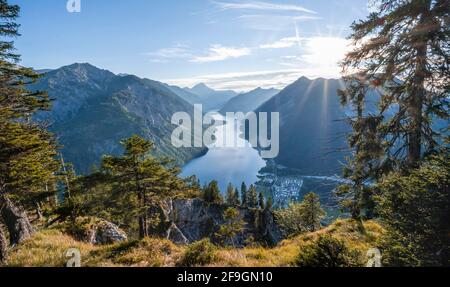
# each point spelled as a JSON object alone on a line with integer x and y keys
{"x": 259, "y": 5}
{"x": 317, "y": 57}
{"x": 282, "y": 43}
{"x": 221, "y": 53}
{"x": 273, "y": 22}
{"x": 163, "y": 55}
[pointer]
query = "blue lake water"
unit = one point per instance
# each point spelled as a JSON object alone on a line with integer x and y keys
{"x": 237, "y": 164}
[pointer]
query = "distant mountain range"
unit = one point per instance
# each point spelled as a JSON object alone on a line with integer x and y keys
{"x": 209, "y": 98}
{"x": 249, "y": 101}
{"x": 312, "y": 129}
{"x": 94, "y": 109}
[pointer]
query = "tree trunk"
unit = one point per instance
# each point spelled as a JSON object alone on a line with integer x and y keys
{"x": 415, "y": 107}
{"x": 3, "y": 247}
{"x": 16, "y": 220}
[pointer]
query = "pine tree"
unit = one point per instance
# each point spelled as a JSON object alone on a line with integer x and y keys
{"x": 416, "y": 214}
{"x": 244, "y": 194}
{"x": 252, "y": 197}
{"x": 212, "y": 193}
{"x": 237, "y": 201}
{"x": 27, "y": 150}
{"x": 138, "y": 180}
{"x": 302, "y": 217}
{"x": 261, "y": 201}
{"x": 232, "y": 228}
{"x": 311, "y": 212}
{"x": 230, "y": 199}
{"x": 401, "y": 51}
{"x": 400, "y": 59}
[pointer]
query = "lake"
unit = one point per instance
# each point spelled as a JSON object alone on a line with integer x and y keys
{"x": 227, "y": 164}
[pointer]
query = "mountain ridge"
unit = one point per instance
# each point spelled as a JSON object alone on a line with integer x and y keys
{"x": 250, "y": 101}
{"x": 211, "y": 99}
{"x": 312, "y": 126}
{"x": 94, "y": 109}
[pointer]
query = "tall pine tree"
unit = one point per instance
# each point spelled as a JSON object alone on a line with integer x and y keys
{"x": 401, "y": 59}
{"x": 402, "y": 51}
{"x": 244, "y": 194}
{"x": 27, "y": 150}
{"x": 138, "y": 179}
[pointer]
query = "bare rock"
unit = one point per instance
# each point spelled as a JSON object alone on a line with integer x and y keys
{"x": 98, "y": 231}
{"x": 189, "y": 220}
{"x": 175, "y": 235}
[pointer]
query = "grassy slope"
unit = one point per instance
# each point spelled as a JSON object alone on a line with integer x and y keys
{"x": 47, "y": 248}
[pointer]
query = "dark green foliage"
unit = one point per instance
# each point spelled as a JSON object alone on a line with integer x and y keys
{"x": 232, "y": 197}
{"x": 400, "y": 61}
{"x": 27, "y": 150}
{"x": 252, "y": 197}
{"x": 416, "y": 213}
{"x": 199, "y": 254}
{"x": 133, "y": 183}
{"x": 244, "y": 194}
{"x": 261, "y": 201}
{"x": 302, "y": 217}
{"x": 211, "y": 193}
{"x": 330, "y": 252}
{"x": 231, "y": 229}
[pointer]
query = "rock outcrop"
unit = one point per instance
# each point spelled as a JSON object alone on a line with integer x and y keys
{"x": 188, "y": 220}
{"x": 98, "y": 231}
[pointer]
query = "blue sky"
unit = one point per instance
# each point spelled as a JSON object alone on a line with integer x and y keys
{"x": 228, "y": 44}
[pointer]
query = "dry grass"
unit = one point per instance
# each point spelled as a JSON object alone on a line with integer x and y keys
{"x": 47, "y": 248}
{"x": 358, "y": 237}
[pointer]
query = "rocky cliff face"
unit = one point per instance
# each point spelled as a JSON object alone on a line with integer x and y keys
{"x": 188, "y": 220}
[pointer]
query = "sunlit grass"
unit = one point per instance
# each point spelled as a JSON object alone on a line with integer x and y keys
{"x": 47, "y": 248}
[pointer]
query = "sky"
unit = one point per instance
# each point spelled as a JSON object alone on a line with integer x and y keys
{"x": 227, "y": 44}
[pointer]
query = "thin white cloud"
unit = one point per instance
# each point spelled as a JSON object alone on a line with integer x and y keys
{"x": 271, "y": 22}
{"x": 221, "y": 53}
{"x": 163, "y": 55}
{"x": 282, "y": 43}
{"x": 318, "y": 57}
{"x": 259, "y": 5}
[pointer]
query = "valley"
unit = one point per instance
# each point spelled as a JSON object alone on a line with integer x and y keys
{"x": 101, "y": 108}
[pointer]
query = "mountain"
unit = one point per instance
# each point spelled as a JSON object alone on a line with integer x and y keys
{"x": 94, "y": 109}
{"x": 312, "y": 129}
{"x": 185, "y": 94}
{"x": 210, "y": 98}
{"x": 250, "y": 101}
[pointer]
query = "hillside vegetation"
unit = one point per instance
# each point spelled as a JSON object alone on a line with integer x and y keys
{"x": 48, "y": 248}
